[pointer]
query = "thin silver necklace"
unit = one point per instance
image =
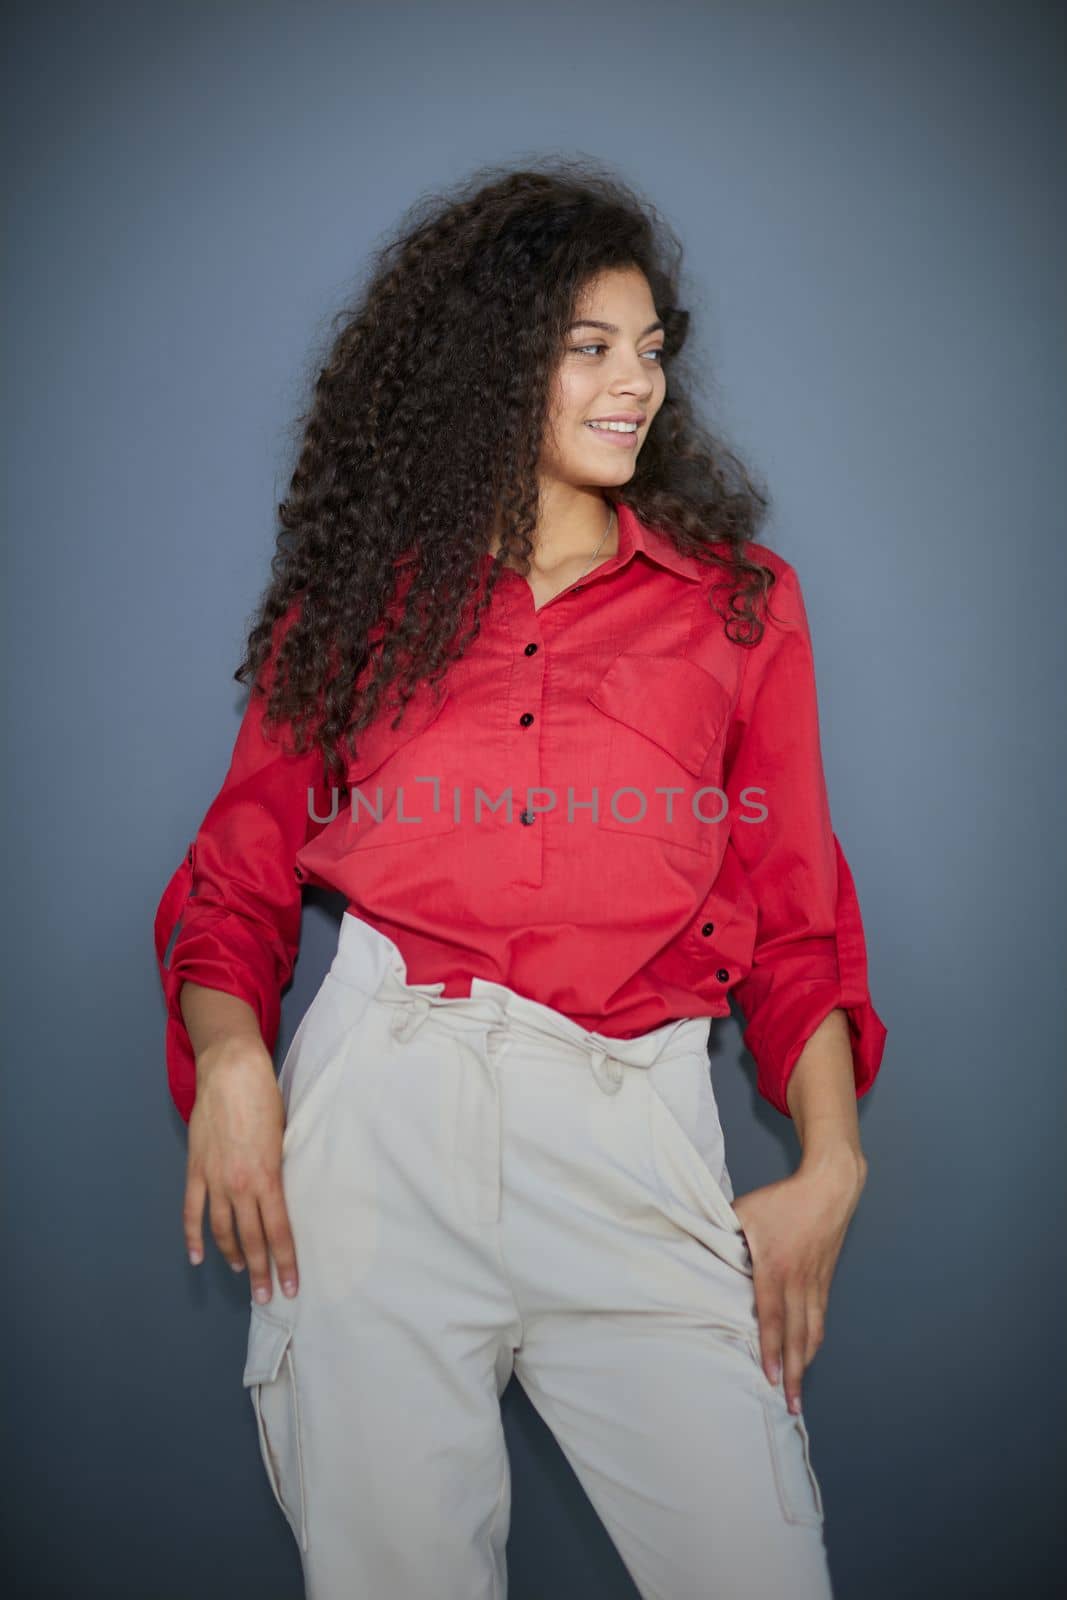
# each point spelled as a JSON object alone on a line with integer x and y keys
{"x": 599, "y": 547}
{"x": 596, "y": 552}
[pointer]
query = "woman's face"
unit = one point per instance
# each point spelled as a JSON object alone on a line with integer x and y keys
{"x": 612, "y": 366}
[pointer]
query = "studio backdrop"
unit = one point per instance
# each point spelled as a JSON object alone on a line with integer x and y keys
{"x": 871, "y": 202}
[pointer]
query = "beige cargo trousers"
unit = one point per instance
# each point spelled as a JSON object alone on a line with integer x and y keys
{"x": 479, "y": 1187}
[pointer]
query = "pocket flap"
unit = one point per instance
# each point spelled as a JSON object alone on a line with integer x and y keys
{"x": 379, "y": 741}
{"x": 267, "y": 1342}
{"x": 670, "y": 700}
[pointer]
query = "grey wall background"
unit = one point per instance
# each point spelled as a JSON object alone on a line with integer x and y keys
{"x": 871, "y": 198}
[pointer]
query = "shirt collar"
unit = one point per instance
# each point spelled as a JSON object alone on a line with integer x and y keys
{"x": 637, "y": 537}
{"x": 640, "y": 538}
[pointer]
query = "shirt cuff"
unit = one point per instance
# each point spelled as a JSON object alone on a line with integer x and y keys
{"x": 237, "y": 962}
{"x": 777, "y": 1037}
{"x": 789, "y": 997}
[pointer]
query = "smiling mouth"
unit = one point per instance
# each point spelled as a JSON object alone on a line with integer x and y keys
{"x": 622, "y": 438}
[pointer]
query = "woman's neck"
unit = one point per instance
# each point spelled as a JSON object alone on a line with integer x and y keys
{"x": 574, "y": 536}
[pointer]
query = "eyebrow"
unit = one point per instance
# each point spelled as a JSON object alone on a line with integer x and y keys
{"x": 609, "y": 327}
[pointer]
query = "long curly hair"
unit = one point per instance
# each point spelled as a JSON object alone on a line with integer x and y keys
{"x": 424, "y": 433}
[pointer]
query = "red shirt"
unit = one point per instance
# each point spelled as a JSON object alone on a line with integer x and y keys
{"x": 624, "y": 683}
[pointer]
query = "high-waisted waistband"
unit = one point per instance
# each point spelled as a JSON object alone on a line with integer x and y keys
{"x": 369, "y": 961}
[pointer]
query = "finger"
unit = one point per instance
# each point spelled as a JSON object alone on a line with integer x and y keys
{"x": 770, "y": 1314}
{"x": 254, "y": 1245}
{"x": 816, "y": 1322}
{"x": 193, "y": 1216}
{"x": 221, "y": 1213}
{"x": 275, "y": 1216}
{"x": 796, "y": 1342}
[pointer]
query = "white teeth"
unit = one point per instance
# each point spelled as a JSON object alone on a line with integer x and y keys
{"x": 614, "y": 427}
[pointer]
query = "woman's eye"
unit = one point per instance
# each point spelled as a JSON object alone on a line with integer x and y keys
{"x": 580, "y": 350}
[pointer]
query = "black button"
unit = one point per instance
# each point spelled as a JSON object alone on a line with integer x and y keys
{"x": 299, "y": 871}
{"x": 708, "y": 929}
{"x": 526, "y": 718}
{"x": 530, "y": 650}
{"x": 722, "y": 974}
{"x": 189, "y": 857}
{"x": 527, "y": 817}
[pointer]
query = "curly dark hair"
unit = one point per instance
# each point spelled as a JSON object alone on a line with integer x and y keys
{"x": 424, "y": 435}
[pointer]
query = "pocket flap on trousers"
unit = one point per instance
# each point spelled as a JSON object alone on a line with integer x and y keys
{"x": 267, "y": 1341}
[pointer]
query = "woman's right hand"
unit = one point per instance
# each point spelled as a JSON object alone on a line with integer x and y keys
{"x": 235, "y": 1160}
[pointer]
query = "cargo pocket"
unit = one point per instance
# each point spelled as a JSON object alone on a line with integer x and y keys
{"x": 790, "y": 1447}
{"x": 270, "y": 1378}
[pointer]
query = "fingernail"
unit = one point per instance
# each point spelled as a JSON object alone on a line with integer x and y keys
{"x": 238, "y": 1266}
{"x": 196, "y": 1256}
{"x": 262, "y": 1293}
{"x": 776, "y": 1371}
{"x": 794, "y": 1405}
{"x": 289, "y": 1286}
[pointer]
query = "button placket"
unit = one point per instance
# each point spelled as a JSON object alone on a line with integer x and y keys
{"x": 523, "y": 692}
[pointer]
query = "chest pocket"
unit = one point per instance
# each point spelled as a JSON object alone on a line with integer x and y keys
{"x": 662, "y": 727}
{"x": 392, "y": 798}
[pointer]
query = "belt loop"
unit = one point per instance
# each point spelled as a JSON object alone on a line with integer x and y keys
{"x": 497, "y": 1038}
{"x": 607, "y": 1069}
{"x": 411, "y": 1012}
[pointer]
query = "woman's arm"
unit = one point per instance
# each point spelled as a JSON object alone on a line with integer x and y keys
{"x": 796, "y": 1227}
{"x": 811, "y": 1026}
{"x": 237, "y": 898}
{"x": 235, "y": 1140}
{"x": 810, "y": 955}
{"x": 211, "y": 1017}
{"x": 821, "y": 1094}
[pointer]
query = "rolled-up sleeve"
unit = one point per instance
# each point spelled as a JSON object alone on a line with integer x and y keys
{"x": 237, "y": 893}
{"x": 810, "y": 954}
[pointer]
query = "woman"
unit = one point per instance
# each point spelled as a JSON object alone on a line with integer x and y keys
{"x": 493, "y": 1145}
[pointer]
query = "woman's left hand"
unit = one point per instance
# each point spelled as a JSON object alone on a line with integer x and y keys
{"x": 795, "y": 1229}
